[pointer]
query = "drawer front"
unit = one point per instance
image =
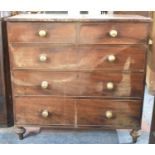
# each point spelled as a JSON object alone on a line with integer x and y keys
{"x": 44, "y": 111}
{"x": 103, "y": 84}
{"x": 121, "y": 33}
{"x": 41, "y": 32}
{"x": 111, "y": 84}
{"x": 112, "y": 57}
{"x": 82, "y": 58}
{"x": 43, "y": 82}
{"x": 43, "y": 56}
{"x": 109, "y": 113}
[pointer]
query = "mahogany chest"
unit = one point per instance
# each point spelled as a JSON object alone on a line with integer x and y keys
{"x": 78, "y": 72}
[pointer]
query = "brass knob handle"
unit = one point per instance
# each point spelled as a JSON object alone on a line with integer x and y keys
{"x": 150, "y": 42}
{"x": 43, "y": 58}
{"x": 113, "y": 33}
{"x": 44, "y": 84}
{"x": 109, "y": 114}
{"x": 111, "y": 58}
{"x": 42, "y": 33}
{"x": 110, "y": 85}
{"x": 45, "y": 113}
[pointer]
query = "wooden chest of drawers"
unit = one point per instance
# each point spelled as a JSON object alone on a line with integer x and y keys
{"x": 78, "y": 73}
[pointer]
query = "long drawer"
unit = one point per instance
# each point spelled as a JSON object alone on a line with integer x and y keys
{"x": 44, "y": 111}
{"x": 95, "y": 83}
{"x": 79, "y": 112}
{"x": 93, "y": 57}
{"x": 113, "y": 33}
{"x": 41, "y": 32}
{"x": 116, "y": 113}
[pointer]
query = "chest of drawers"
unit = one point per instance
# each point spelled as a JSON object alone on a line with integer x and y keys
{"x": 78, "y": 72}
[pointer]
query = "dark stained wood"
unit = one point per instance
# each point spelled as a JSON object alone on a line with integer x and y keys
{"x": 8, "y": 90}
{"x": 29, "y": 111}
{"x": 78, "y": 58}
{"x": 91, "y": 33}
{"x": 26, "y": 82}
{"x": 28, "y": 32}
{"x": 125, "y": 113}
{"x": 3, "y": 103}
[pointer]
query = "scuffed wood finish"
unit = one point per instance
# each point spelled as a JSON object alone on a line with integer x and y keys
{"x": 78, "y": 83}
{"x": 58, "y": 57}
{"x": 125, "y": 84}
{"x": 127, "y": 57}
{"x": 93, "y": 57}
{"x": 29, "y": 82}
{"x": 29, "y": 111}
{"x": 28, "y": 32}
{"x": 125, "y": 113}
{"x": 77, "y": 70}
{"x": 80, "y": 18}
{"x": 128, "y": 33}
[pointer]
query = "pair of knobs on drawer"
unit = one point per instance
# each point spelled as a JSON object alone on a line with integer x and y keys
{"x": 112, "y": 33}
{"x": 109, "y": 85}
{"x": 108, "y": 114}
{"x": 43, "y": 58}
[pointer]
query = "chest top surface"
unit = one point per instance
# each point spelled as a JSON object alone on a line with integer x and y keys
{"x": 71, "y": 18}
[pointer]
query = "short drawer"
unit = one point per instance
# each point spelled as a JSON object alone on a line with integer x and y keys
{"x": 82, "y": 58}
{"x": 95, "y": 83}
{"x": 104, "y": 57}
{"x": 43, "y": 56}
{"x": 29, "y": 82}
{"x": 115, "y": 113}
{"x": 44, "y": 111}
{"x": 113, "y": 33}
{"x": 41, "y": 32}
{"x": 111, "y": 84}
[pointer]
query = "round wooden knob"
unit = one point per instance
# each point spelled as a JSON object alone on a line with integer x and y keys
{"x": 45, "y": 113}
{"x": 110, "y": 85}
{"x": 42, "y": 33}
{"x": 113, "y": 33}
{"x": 43, "y": 58}
{"x": 111, "y": 58}
{"x": 109, "y": 114}
{"x": 44, "y": 84}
